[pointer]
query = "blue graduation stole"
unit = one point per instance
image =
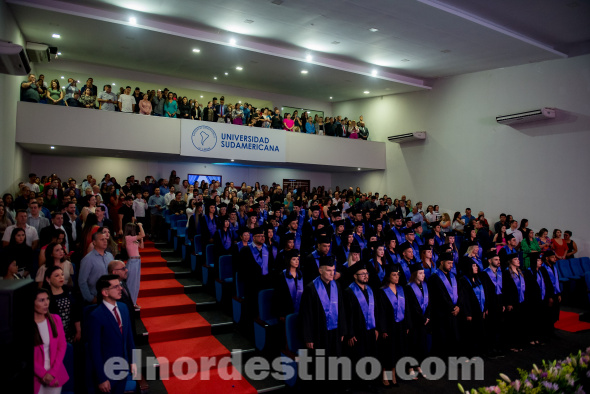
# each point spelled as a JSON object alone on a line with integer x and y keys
{"x": 233, "y": 228}
{"x": 295, "y": 288}
{"x": 554, "y": 277}
{"x": 418, "y": 240}
{"x": 496, "y": 279}
{"x": 330, "y": 305}
{"x": 400, "y": 237}
{"x": 393, "y": 256}
{"x": 368, "y": 310}
{"x": 416, "y": 250}
{"x": 362, "y": 242}
{"x": 211, "y": 225}
{"x": 451, "y": 287}
{"x": 406, "y": 268}
{"x": 261, "y": 258}
{"x": 310, "y": 221}
{"x": 480, "y": 294}
{"x": 241, "y": 245}
{"x": 346, "y": 253}
{"x": 274, "y": 250}
{"x": 242, "y": 220}
{"x": 439, "y": 240}
{"x": 519, "y": 282}
{"x": 422, "y": 298}
{"x": 225, "y": 237}
{"x": 429, "y": 271}
{"x": 541, "y": 284}
{"x": 337, "y": 239}
{"x": 379, "y": 269}
{"x": 397, "y": 302}
{"x": 478, "y": 262}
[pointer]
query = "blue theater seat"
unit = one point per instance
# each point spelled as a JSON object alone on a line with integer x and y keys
{"x": 565, "y": 270}
{"x": 197, "y": 252}
{"x": 585, "y": 261}
{"x": 576, "y": 265}
{"x": 265, "y": 325}
{"x": 180, "y": 233}
{"x": 238, "y": 299}
{"x": 225, "y": 279}
{"x": 294, "y": 343}
{"x": 68, "y": 388}
{"x": 209, "y": 263}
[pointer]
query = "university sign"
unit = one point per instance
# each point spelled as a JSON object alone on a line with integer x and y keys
{"x": 227, "y": 141}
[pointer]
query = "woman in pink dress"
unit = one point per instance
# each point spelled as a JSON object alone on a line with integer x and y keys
{"x": 145, "y": 106}
{"x": 288, "y": 123}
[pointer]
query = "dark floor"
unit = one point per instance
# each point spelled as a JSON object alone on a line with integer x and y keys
{"x": 226, "y": 332}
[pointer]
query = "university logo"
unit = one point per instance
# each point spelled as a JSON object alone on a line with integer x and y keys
{"x": 204, "y": 138}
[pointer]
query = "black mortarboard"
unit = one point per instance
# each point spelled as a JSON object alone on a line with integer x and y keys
{"x": 424, "y": 247}
{"x": 260, "y": 199}
{"x": 405, "y": 245}
{"x": 289, "y": 236}
{"x": 257, "y": 230}
{"x": 392, "y": 268}
{"x": 222, "y": 205}
{"x": 355, "y": 248}
{"x": 393, "y": 215}
{"x": 471, "y": 243}
{"x": 323, "y": 239}
{"x": 548, "y": 253}
{"x": 434, "y": 224}
{"x": 451, "y": 233}
{"x": 243, "y": 230}
{"x": 374, "y": 244}
{"x": 445, "y": 257}
{"x": 356, "y": 268}
{"x": 327, "y": 261}
{"x": 338, "y": 223}
{"x": 240, "y": 203}
{"x": 223, "y": 218}
{"x": 358, "y": 223}
{"x": 382, "y": 208}
{"x": 277, "y": 205}
{"x": 290, "y": 218}
{"x": 408, "y": 230}
{"x": 416, "y": 225}
{"x": 297, "y": 203}
{"x": 314, "y": 208}
{"x": 252, "y": 213}
{"x": 416, "y": 267}
{"x": 510, "y": 256}
{"x": 428, "y": 236}
{"x": 491, "y": 254}
{"x": 390, "y": 236}
{"x": 255, "y": 206}
{"x": 509, "y": 237}
{"x": 290, "y": 254}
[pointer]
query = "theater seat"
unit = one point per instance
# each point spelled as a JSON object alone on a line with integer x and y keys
{"x": 294, "y": 343}
{"x": 68, "y": 388}
{"x": 209, "y": 263}
{"x": 180, "y": 233}
{"x": 585, "y": 261}
{"x": 577, "y": 267}
{"x": 565, "y": 269}
{"x": 225, "y": 279}
{"x": 238, "y": 299}
{"x": 174, "y": 219}
{"x": 265, "y": 325}
{"x": 197, "y": 253}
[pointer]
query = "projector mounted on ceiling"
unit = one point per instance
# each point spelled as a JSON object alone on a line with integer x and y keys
{"x": 529, "y": 116}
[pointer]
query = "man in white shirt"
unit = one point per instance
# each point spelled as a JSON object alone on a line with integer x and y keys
{"x": 126, "y": 101}
{"x": 170, "y": 196}
{"x": 31, "y": 183}
{"x": 32, "y": 238}
{"x": 514, "y": 231}
{"x": 107, "y": 99}
{"x": 139, "y": 206}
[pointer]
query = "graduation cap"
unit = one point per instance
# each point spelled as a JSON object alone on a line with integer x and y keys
{"x": 355, "y": 248}
{"x": 260, "y": 199}
{"x": 323, "y": 239}
{"x": 277, "y": 205}
{"x": 356, "y": 268}
{"x": 442, "y": 248}
{"x": 339, "y": 223}
{"x": 374, "y": 244}
{"x": 320, "y": 232}
{"x": 335, "y": 212}
{"x": 223, "y": 218}
{"x": 393, "y": 215}
{"x": 491, "y": 254}
{"x": 408, "y": 230}
{"x": 548, "y": 253}
{"x": 222, "y": 205}
{"x": 389, "y": 236}
{"x": 403, "y": 247}
{"x": 314, "y": 208}
{"x": 199, "y": 204}
{"x": 297, "y": 203}
{"x": 209, "y": 202}
{"x": 289, "y": 236}
{"x": 255, "y": 206}
{"x": 358, "y": 223}
{"x": 392, "y": 268}
{"x": 269, "y": 226}
{"x": 257, "y": 230}
{"x": 232, "y": 211}
{"x": 424, "y": 247}
{"x": 327, "y": 261}
{"x": 241, "y": 203}
{"x": 243, "y": 230}
{"x": 290, "y": 219}
{"x": 510, "y": 256}
{"x": 534, "y": 256}
{"x": 290, "y": 254}
{"x": 416, "y": 225}
{"x": 350, "y": 211}
{"x": 428, "y": 236}
{"x": 434, "y": 224}
{"x": 416, "y": 267}
{"x": 472, "y": 243}
{"x": 451, "y": 233}
{"x": 252, "y": 213}
{"x": 445, "y": 257}
{"x": 408, "y": 219}
{"x": 509, "y": 237}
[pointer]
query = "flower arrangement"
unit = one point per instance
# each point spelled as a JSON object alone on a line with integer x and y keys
{"x": 566, "y": 376}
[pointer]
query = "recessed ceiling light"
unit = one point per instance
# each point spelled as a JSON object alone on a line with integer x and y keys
{"x": 330, "y": 97}
{"x": 113, "y": 84}
{"x": 62, "y": 77}
{"x": 232, "y": 41}
{"x": 196, "y": 50}
{"x": 248, "y": 21}
{"x": 226, "y": 73}
{"x": 239, "y": 68}
{"x": 201, "y": 96}
{"x": 232, "y": 159}
{"x": 59, "y": 54}
{"x": 133, "y": 20}
{"x": 358, "y": 169}
{"x": 303, "y": 71}
{"x": 55, "y": 35}
{"x": 214, "y": 77}
{"x": 52, "y": 147}
{"x": 374, "y": 73}
{"x": 373, "y": 29}
{"x": 366, "y": 92}
{"x": 308, "y": 58}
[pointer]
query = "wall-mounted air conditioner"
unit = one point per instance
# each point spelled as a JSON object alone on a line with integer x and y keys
{"x": 415, "y": 136}
{"x": 13, "y": 59}
{"x": 529, "y": 116}
{"x": 38, "y": 53}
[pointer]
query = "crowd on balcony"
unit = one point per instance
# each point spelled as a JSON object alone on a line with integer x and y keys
{"x": 478, "y": 287}
{"x": 167, "y": 104}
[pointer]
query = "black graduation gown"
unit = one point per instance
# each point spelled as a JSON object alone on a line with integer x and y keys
{"x": 515, "y": 319}
{"x": 273, "y": 253}
{"x": 493, "y": 321}
{"x": 282, "y": 302}
{"x": 418, "y": 335}
{"x": 254, "y": 281}
{"x": 310, "y": 268}
{"x": 445, "y": 332}
{"x": 206, "y": 235}
{"x": 220, "y": 250}
{"x": 366, "y": 344}
{"x": 234, "y": 251}
{"x": 553, "y": 311}
{"x": 535, "y": 306}
{"x": 307, "y": 238}
{"x": 340, "y": 254}
{"x": 472, "y": 331}
{"x": 313, "y": 320}
{"x": 374, "y": 271}
{"x": 392, "y": 348}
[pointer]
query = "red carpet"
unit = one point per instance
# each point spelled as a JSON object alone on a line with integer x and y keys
{"x": 177, "y": 331}
{"x": 570, "y": 322}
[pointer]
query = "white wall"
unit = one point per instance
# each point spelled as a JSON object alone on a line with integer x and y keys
{"x": 13, "y": 160}
{"x": 538, "y": 171}
{"x": 120, "y": 168}
{"x": 192, "y": 89}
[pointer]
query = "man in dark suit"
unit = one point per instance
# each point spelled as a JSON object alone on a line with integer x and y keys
{"x": 220, "y": 110}
{"x": 402, "y": 211}
{"x": 117, "y": 267}
{"x": 102, "y": 220}
{"x": 57, "y": 222}
{"x": 70, "y": 223}
{"x": 110, "y": 334}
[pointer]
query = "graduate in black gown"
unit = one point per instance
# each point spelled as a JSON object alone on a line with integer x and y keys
{"x": 445, "y": 300}
{"x": 491, "y": 278}
{"x": 377, "y": 265}
{"x": 551, "y": 277}
{"x": 393, "y": 323}
{"x": 474, "y": 310}
{"x": 223, "y": 238}
{"x": 287, "y": 244}
{"x": 242, "y": 242}
{"x": 419, "y": 307}
{"x": 361, "y": 311}
{"x": 342, "y": 251}
{"x": 513, "y": 290}
{"x": 322, "y": 315}
{"x": 273, "y": 248}
{"x": 407, "y": 259}
{"x": 391, "y": 248}
{"x": 288, "y": 285}
{"x": 354, "y": 257}
{"x": 311, "y": 263}
{"x": 535, "y": 298}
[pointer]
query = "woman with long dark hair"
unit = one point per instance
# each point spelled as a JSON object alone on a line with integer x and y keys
{"x": 63, "y": 303}
{"x": 419, "y": 314}
{"x": 23, "y": 253}
{"x": 528, "y": 245}
{"x": 513, "y": 296}
{"x": 473, "y": 310}
{"x": 500, "y": 238}
{"x": 50, "y": 347}
{"x": 377, "y": 266}
{"x": 558, "y": 244}
{"x": 393, "y": 322}
{"x": 55, "y": 256}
